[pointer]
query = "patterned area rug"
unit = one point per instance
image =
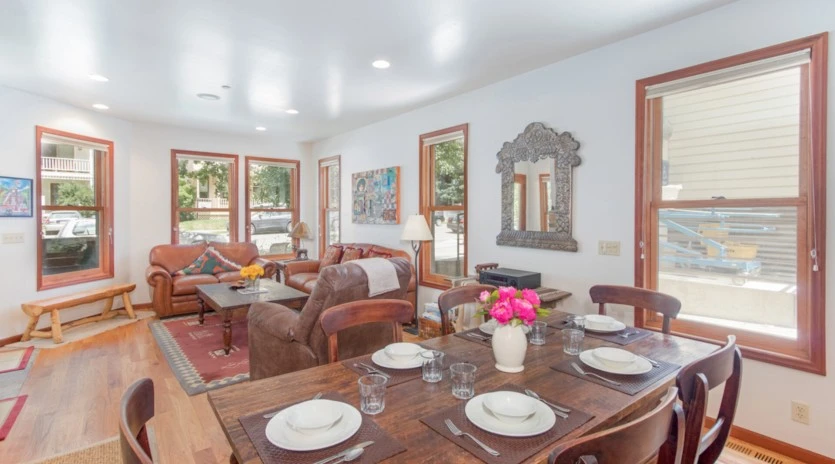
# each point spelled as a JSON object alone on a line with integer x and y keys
{"x": 15, "y": 360}
{"x": 9, "y": 410}
{"x": 195, "y": 352}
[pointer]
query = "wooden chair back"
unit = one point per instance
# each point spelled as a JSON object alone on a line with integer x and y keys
{"x": 632, "y": 443}
{"x": 651, "y": 300}
{"x": 136, "y": 409}
{"x": 456, "y": 297}
{"x": 694, "y": 382}
{"x": 361, "y": 312}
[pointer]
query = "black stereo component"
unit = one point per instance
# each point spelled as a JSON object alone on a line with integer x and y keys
{"x": 503, "y": 277}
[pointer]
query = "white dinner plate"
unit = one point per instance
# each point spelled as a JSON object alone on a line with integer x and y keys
{"x": 541, "y": 421}
{"x": 490, "y": 326}
{"x": 279, "y": 434}
{"x": 615, "y": 326}
{"x": 640, "y": 366}
{"x": 381, "y": 359}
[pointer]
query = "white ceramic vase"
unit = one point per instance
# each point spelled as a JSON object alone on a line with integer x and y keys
{"x": 509, "y": 348}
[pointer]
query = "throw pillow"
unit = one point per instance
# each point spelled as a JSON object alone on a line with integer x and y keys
{"x": 210, "y": 262}
{"x": 351, "y": 254}
{"x": 332, "y": 256}
{"x": 378, "y": 254}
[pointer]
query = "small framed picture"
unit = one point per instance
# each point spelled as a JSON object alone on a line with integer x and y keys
{"x": 15, "y": 197}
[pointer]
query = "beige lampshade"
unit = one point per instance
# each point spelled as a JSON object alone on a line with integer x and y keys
{"x": 416, "y": 229}
{"x": 301, "y": 231}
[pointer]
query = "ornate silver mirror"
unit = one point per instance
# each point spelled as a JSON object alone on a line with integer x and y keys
{"x": 536, "y": 171}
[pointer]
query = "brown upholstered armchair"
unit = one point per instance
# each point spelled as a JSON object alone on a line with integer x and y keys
{"x": 177, "y": 294}
{"x": 283, "y": 340}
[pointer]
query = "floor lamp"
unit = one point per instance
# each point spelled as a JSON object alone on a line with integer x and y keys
{"x": 416, "y": 231}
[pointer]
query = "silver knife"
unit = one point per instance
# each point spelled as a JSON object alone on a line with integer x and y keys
{"x": 654, "y": 364}
{"x": 344, "y": 452}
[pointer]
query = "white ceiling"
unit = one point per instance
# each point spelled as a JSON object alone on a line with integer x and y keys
{"x": 311, "y": 55}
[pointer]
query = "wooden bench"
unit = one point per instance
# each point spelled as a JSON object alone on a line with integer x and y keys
{"x": 34, "y": 310}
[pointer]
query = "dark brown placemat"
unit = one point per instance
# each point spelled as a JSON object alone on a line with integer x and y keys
{"x": 635, "y": 334}
{"x": 398, "y": 376}
{"x": 489, "y": 342}
{"x": 384, "y": 447}
{"x": 513, "y": 449}
{"x": 629, "y": 384}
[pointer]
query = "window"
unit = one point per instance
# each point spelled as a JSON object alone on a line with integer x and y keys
{"x": 329, "y": 231}
{"x": 75, "y": 213}
{"x": 443, "y": 201}
{"x": 204, "y": 198}
{"x": 272, "y": 205}
{"x": 730, "y": 193}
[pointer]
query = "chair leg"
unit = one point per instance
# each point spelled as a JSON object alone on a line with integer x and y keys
{"x": 57, "y": 336}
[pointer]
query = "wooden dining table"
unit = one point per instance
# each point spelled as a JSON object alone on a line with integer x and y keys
{"x": 408, "y": 402}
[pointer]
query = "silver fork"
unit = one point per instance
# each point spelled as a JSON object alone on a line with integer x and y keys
{"x": 372, "y": 370}
{"x": 457, "y": 432}
{"x": 592, "y": 374}
{"x": 269, "y": 415}
{"x": 627, "y": 334}
{"x": 479, "y": 337}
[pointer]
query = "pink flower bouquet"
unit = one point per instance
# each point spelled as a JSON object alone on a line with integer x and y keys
{"x": 507, "y": 305}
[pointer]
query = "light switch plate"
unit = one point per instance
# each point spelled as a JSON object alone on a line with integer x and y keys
{"x": 608, "y": 248}
{"x": 12, "y": 237}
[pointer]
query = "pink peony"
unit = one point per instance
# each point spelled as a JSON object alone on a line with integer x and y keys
{"x": 502, "y": 312}
{"x": 485, "y": 295}
{"x": 506, "y": 293}
{"x": 524, "y": 310}
{"x": 531, "y": 296}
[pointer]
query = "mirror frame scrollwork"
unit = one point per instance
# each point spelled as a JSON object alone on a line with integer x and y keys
{"x": 534, "y": 143}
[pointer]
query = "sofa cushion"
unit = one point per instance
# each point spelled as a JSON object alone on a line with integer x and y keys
{"x": 185, "y": 284}
{"x": 300, "y": 281}
{"x": 351, "y": 254}
{"x": 210, "y": 262}
{"x": 332, "y": 256}
{"x": 231, "y": 276}
{"x": 377, "y": 254}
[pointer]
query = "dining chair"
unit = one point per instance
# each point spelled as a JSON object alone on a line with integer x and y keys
{"x": 651, "y": 300}
{"x": 631, "y": 443}
{"x": 694, "y": 382}
{"x": 346, "y": 315}
{"x": 456, "y": 297}
{"x": 136, "y": 409}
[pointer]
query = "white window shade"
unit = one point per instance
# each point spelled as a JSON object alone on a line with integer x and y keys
{"x": 278, "y": 164}
{"x": 443, "y": 138}
{"x": 59, "y": 140}
{"x": 729, "y": 74}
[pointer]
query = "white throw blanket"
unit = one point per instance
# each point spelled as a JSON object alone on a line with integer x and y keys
{"x": 381, "y": 274}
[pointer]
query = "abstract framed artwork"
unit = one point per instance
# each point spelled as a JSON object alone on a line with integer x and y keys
{"x": 376, "y": 196}
{"x": 15, "y": 197}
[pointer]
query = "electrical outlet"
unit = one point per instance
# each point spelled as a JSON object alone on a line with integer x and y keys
{"x": 14, "y": 237}
{"x": 800, "y": 412}
{"x": 608, "y": 248}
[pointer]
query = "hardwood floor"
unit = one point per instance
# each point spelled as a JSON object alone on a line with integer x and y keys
{"x": 74, "y": 393}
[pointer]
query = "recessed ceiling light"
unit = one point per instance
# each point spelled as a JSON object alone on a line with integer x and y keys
{"x": 208, "y": 96}
{"x": 292, "y": 111}
{"x": 261, "y": 128}
{"x": 98, "y": 78}
{"x": 100, "y": 106}
{"x": 381, "y": 64}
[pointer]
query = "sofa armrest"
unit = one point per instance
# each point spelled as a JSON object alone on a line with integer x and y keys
{"x": 297, "y": 267}
{"x": 269, "y": 266}
{"x": 274, "y": 320}
{"x": 156, "y": 273}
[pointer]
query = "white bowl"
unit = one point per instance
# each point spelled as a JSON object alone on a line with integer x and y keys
{"x": 510, "y": 407}
{"x": 314, "y": 416}
{"x": 402, "y": 352}
{"x": 613, "y": 357}
{"x": 599, "y": 320}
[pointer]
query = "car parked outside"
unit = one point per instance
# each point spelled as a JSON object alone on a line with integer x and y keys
{"x": 271, "y": 223}
{"x": 55, "y": 221}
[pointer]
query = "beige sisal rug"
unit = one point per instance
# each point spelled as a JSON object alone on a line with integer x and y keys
{"x": 104, "y": 452}
{"x": 87, "y": 330}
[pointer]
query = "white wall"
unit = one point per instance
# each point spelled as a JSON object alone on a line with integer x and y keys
{"x": 142, "y": 191}
{"x": 592, "y": 95}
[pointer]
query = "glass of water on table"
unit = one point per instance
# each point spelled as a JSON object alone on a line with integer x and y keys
{"x": 573, "y": 334}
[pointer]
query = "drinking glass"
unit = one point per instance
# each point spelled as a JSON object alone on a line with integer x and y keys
{"x": 538, "y": 331}
{"x": 575, "y": 321}
{"x": 463, "y": 380}
{"x": 372, "y": 393}
{"x": 572, "y": 341}
{"x": 433, "y": 366}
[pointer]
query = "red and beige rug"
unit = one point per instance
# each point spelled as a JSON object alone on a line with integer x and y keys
{"x": 14, "y": 367}
{"x": 195, "y": 353}
{"x": 9, "y": 409}
{"x": 15, "y": 360}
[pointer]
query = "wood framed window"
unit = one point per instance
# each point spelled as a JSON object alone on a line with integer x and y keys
{"x": 74, "y": 188}
{"x": 204, "y": 197}
{"x": 329, "y": 200}
{"x": 545, "y": 202}
{"x": 272, "y": 205}
{"x": 730, "y": 200}
{"x": 520, "y": 201}
{"x": 443, "y": 201}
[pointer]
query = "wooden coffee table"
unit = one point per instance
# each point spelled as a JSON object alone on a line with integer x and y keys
{"x": 221, "y": 298}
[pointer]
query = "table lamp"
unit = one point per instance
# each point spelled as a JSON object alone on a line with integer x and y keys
{"x": 301, "y": 232}
{"x": 416, "y": 231}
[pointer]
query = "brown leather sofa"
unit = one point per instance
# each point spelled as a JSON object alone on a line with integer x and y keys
{"x": 303, "y": 275}
{"x": 177, "y": 294}
{"x": 283, "y": 340}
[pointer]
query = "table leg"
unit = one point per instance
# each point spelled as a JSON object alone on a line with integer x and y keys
{"x": 201, "y": 308}
{"x": 227, "y": 331}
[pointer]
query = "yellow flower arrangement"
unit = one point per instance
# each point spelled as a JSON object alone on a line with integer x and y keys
{"x": 252, "y": 272}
